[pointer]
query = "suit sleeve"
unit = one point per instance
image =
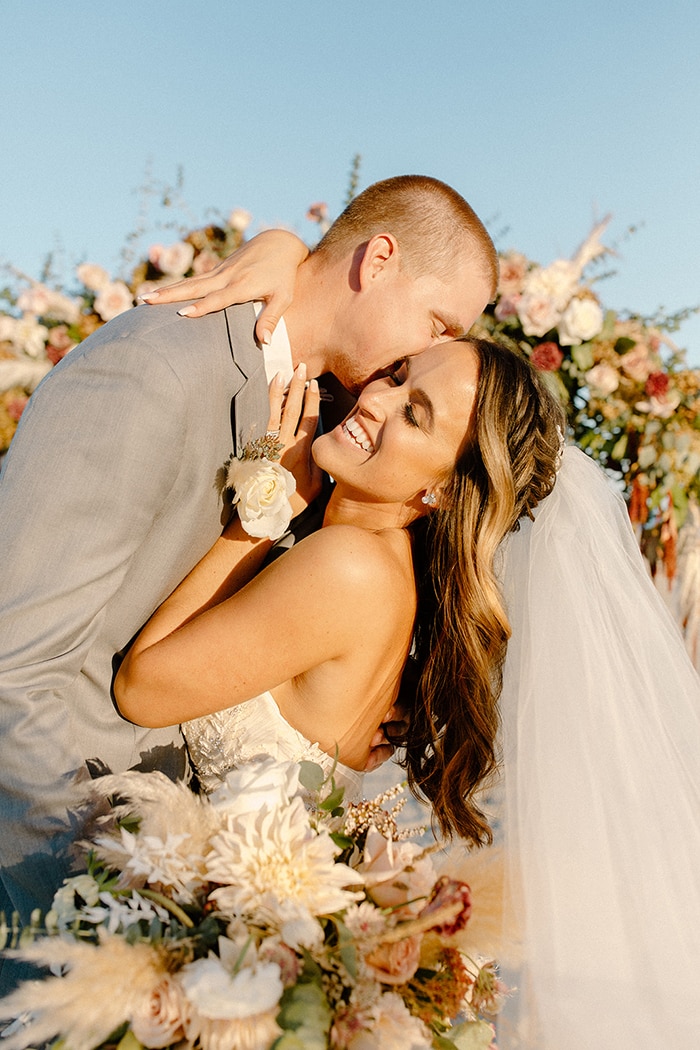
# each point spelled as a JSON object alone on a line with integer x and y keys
{"x": 81, "y": 486}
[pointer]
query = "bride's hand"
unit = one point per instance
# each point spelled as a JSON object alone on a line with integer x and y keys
{"x": 263, "y": 269}
{"x": 294, "y": 414}
{"x": 380, "y": 748}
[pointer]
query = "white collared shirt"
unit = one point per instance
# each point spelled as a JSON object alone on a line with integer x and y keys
{"x": 278, "y": 354}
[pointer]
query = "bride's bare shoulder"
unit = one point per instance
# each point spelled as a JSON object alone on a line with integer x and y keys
{"x": 350, "y": 556}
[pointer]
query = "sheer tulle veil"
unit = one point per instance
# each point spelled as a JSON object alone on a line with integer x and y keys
{"x": 601, "y": 747}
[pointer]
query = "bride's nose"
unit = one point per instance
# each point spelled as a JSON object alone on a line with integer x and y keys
{"x": 376, "y": 396}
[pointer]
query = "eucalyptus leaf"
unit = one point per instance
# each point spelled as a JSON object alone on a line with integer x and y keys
{"x": 472, "y": 1035}
{"x": 333, "y": 800}
{"x": 311, "y": 776}
{"x": 623, "y": 344}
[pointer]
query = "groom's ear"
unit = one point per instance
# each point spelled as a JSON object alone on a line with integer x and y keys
{"x": 380, "y": 259}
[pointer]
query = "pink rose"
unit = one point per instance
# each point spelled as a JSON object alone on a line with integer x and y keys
{"x": 15, "y": 407}
{"x": 512, "y": 268}
{"x": 59, "y": 344}
{"x": 205, "y": 262}
{"x": 637, "y": 363}
{"x": 547, "y": 357}
{"x": 507, "y": 307}
{"x": 449, "y": 894}
{"x": 395, "y": 963}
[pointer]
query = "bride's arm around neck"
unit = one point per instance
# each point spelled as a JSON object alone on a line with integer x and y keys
{"x": 326, "y": 627}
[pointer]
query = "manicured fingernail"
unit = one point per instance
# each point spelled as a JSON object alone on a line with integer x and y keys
{"x": 278, "y": 380}
{"x": 147, "y": 296}
{"x": 313, "y": 385}
{"x": 186, "y": 311}
{"x": 301, "y": 370}
{"x": 266, "y": 338}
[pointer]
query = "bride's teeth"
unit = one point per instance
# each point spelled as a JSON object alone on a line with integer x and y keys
{"x": 357, "y": 433}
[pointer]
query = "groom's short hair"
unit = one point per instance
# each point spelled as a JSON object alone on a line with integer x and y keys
{"x": 432, "y": 223}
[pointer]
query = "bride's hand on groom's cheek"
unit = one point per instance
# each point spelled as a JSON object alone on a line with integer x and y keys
{"x": 294, "y": 413}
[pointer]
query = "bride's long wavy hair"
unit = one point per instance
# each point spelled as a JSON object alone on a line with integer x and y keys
{"x": 506, "y": 465}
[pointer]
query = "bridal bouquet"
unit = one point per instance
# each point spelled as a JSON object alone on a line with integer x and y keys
{"x": 265, "y": 915}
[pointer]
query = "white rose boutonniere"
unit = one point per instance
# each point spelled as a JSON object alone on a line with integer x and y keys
{"x": 261, "y": 489}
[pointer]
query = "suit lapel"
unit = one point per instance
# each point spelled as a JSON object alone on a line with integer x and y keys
{"x": 249, "y": 406}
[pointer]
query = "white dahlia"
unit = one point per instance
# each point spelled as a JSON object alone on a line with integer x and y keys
{"x": 275, "y": 865}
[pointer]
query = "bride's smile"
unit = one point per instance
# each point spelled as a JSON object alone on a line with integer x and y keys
{"x": 357, "y": 433}
{"x": 404, "y": 433}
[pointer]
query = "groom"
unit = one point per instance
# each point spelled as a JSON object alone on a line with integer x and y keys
{"x": 109, "y": 493}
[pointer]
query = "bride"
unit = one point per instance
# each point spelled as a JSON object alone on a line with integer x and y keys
{"x": 599, "y": 706}
{"x": 434, "y": 469}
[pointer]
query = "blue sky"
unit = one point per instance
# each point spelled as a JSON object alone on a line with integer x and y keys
{"x": 544, "y": 115}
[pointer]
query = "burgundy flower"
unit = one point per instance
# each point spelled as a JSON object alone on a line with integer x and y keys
{"x": 446, "y": 894}
{"x": 657, "y": 385}
{"x": 547, "y": 357}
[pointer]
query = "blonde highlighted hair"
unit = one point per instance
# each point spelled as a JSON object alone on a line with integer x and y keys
{"x": 507, "y": 464}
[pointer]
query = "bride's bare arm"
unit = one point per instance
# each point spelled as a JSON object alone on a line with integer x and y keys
{"x": 263, "y": 269}
{"x": 305, "y": 610}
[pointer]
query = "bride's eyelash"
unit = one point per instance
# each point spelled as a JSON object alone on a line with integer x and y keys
{"x": 409, "y": 415}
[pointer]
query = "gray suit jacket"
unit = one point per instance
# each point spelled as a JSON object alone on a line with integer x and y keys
{"x": 108, "y": 497}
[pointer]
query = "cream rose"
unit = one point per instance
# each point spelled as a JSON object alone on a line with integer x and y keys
{"x": 556, "y": 282}
{"x": 538, "y": 314}
{"x": 93, "y": 276}
{"x": 638, "y": 363}
{"x": 261, "y": 494}
{"x": 160, "y": 1020}
{"x": 393, "y": 873}
{"x": 30, "y": 336}
{"x": 603, "y": 379}
{"x": 582, "y": 319}
{"x": 113, "y": 300}
{"x": 176, "y": 259}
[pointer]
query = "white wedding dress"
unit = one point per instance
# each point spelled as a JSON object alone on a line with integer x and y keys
{"x": 225, "y": 740}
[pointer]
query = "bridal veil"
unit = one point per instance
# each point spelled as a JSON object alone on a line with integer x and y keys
{"x": 601, "y": 747}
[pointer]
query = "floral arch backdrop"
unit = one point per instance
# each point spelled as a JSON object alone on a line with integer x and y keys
{"x": 632, "y": 401}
